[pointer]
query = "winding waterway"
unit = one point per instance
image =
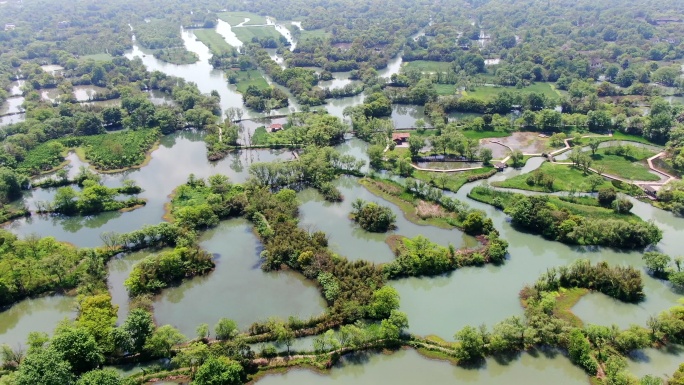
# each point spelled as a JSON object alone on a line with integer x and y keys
{"x": 238, "y": 289}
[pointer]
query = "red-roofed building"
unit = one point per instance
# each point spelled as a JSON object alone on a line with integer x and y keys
{"x": 275, "y": 127}
{"x": 400, "y": 137}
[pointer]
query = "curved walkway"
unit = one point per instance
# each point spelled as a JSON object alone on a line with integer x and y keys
{"x": 665, "y": 177}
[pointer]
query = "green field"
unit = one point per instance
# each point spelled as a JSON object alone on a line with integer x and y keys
{"x": 486, "y": 92}
{"x": 235, "y": 18}
{"x": 445, "y": 89}
{"x": 313, "y": 34}
{"x": 633, "y": 169}
{"x": 96, "y": 57}
{"x": 250, "y": 78}
{"x": 245, "y": 34}
{"x": 428, "y": 66}
{"x": 452, "y": 181}
{"x": 213, "y": 40}
{"x": 566, "y": 178}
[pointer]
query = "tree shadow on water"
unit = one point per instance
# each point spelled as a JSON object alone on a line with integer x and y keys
{"x": 507, "y": 357}
{"x": 478, "y": 364}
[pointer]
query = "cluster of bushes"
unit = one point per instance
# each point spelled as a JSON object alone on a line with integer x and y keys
{"x": 117, "y": 150}
{"x": 571, "y": 223}
{"x": 664, "y": 267}
{"x": 77, "y": 350}
{"x": 540, "y": 178}
{"x": 94, "y": 198}
{"x": 161, "y": 235}
{"x": 671, "y": 197}
{"x": 620, "y": 282}
{"x": 304, "y": 129}
{"x": 8, "y": 213}
{"x": 11, "y": 185}
{"x": 156, "y": 272}
{"x": 201, "y": 204}
{"x": 316, "y": 167}
{"x": 265, "y": 99}
{"x": 594, "y": 348}
{"x": 419, "y": 256}
{"x": 372, "y": 216}
{"x": 34, "y": 266}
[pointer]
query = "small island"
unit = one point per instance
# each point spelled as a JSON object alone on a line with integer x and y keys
{"x": 373, "y": 217}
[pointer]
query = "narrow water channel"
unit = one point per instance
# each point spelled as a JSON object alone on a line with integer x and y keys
{"x": 408, "y": 367}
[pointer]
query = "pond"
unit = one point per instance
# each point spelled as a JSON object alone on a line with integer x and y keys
{"x": 11, "y": 119}
{"x": 12, "y": 105}
{"x": 405, "y": 115}
{"x": 15, "y": 88}
{"x": 354, "y": 243}
{"x": 87, "y": 93}
{"x": 236, "y": 281}
{"x": 34, "y": 315}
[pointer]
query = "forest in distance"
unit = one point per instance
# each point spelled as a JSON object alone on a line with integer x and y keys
{"x": 321, "y": 170}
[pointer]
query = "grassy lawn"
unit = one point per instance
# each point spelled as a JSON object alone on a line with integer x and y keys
{"x": 632, "y": 138}
{"x": 453, "y": 181}
{"x": 213, "y": 40}
{"x": 624, "y": 168}
{"x": 566, "y": 178}
{"x": 250, "y": 78}
{"x": 486, "y": 92}
{"x": 245, "y": 34}
{"x": 235, "y": 18}
{"x": 96, "y": 57}
{"x": 616, "y": 136}
{"x": 485, "y": 134}
{"x": 445, "y": 89}
{"x": 565, "y": 301}
{"x": 428, "y": 66}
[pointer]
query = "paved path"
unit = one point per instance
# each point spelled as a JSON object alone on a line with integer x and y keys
{"x": 451, "y": 170}
{"x": 640, "y": 183}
